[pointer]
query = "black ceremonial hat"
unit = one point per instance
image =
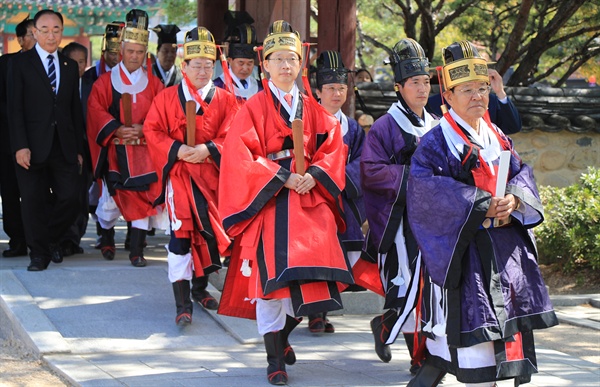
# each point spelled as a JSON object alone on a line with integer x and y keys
{"x": 408, "y": 59}
{"x": 167, "y": 33}
{"x": 242, "y": 42}
{"x": 330, "y": 69}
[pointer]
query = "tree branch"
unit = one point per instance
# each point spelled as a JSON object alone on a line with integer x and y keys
{"x": 377, "y": 44}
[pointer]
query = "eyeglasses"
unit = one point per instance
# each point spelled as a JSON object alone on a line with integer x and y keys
{"x": 29, "y": 35}
{"x": 206, "y": 69}
{"x": 279, "y": 61}
{"x": 333, "y": 89}
{"x": 483, "y": 91}
{"x": 46, "y": 31}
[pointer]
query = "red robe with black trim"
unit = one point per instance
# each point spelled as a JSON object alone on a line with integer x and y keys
{"x": 194, "y": 186}
{"x": 127, "y": 169}
{"x": 288, "y": 241}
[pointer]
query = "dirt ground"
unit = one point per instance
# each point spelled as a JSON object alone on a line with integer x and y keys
{"x": 18, "y": 367}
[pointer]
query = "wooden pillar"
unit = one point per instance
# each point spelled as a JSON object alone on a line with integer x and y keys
{"x": 265, "y": 12}
{"x": 211, "y": 14}
{"x": 337, "y": 31}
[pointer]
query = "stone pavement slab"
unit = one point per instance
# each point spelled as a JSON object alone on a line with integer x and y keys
{"x": 106, "y": 323}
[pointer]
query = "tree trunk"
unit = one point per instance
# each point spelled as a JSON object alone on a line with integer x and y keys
{"x": 509, "y": 56}
{"x": 539, "y": 44}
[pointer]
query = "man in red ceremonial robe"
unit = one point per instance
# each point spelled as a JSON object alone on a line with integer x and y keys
{"x": 189, "y": 173}
{"x": 119, "y": 152}
{"x": 287, "y": 261}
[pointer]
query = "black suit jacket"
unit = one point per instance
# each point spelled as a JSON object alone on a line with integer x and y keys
{"x": 87, "y": 82}
{"x": 34, "y": 108}
{"x": 4, "y": 137}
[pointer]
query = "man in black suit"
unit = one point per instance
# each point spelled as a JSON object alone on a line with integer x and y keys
{"x": 71, "y": 240}
{"x": 9, "y": 189}
{"x": 46, "y": 123}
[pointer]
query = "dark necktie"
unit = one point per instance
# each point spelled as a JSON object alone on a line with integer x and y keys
{"x": 52, "y": 72}
{"x": 244, "y": 83}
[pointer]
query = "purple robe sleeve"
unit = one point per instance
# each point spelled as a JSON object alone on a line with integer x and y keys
{"x": 383, "y": 181}
{"x": 354, "y": 139}
{"x": 444, "y": 213}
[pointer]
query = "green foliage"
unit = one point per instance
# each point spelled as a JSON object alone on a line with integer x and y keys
{"x": 564, "y": 48}
{"x": 180, "y": 12}
{"x": 570, "y": 235}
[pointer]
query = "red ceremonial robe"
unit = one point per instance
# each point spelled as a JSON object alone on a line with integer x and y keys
{"x": 127, "y": 169}
{"x": 289, "y": 241}
{"x": 195, "y": 186}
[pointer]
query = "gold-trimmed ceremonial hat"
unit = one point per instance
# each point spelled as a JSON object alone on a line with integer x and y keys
{"x": 408, "y": 59}
{"x": 282, "y": 37}
{"x": 136, "y": 27}
{"x": 199, "y": 43}
{"x": 111, "y": 41}
{"x": 330, "y": 69}
{"x": 463, "y": 63}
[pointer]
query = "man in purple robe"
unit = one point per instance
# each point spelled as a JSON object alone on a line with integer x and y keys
{"x": 385, "y": 161}
{"x": 472, "y": 203}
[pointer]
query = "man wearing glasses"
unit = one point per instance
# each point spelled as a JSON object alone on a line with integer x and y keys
{"x": 287, "y": 259}
{"x": 46, "y": 127}
{"x": 9, "y": 188}
{"x": 188, "y": 169}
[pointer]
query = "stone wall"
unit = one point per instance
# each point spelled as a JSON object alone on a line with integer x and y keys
{"x": 561, "y": 127}
{"x": 558, "y": 159}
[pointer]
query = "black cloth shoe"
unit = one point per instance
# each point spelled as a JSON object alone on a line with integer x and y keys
{"x": 15, "y": 250}
{"x": 56, "y": 254}
{"x": 289, "y": 356}
{"x": 316, "y": 324}
{"x": 329, "y": 328}
{"x": 204, "y": 298}
{"x": 138, "y": 261}
{"x": 69, "y": 248}
{"x": 107, "y": 243}
{"x": 276, "y": 373}
{"x": 38, "y": 264}
{"x": 381, "y": 327}
{"x": 136, "y": 251}
{"x": 185, "y": 307}
{"x": 427, "y": 376}
{"x": 201, "y": 295}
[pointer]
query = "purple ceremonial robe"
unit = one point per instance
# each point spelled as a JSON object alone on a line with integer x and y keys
{"x": 494, "y": 287}
{"x": 384, "y": 173}
{"x": 352, "y": 196}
